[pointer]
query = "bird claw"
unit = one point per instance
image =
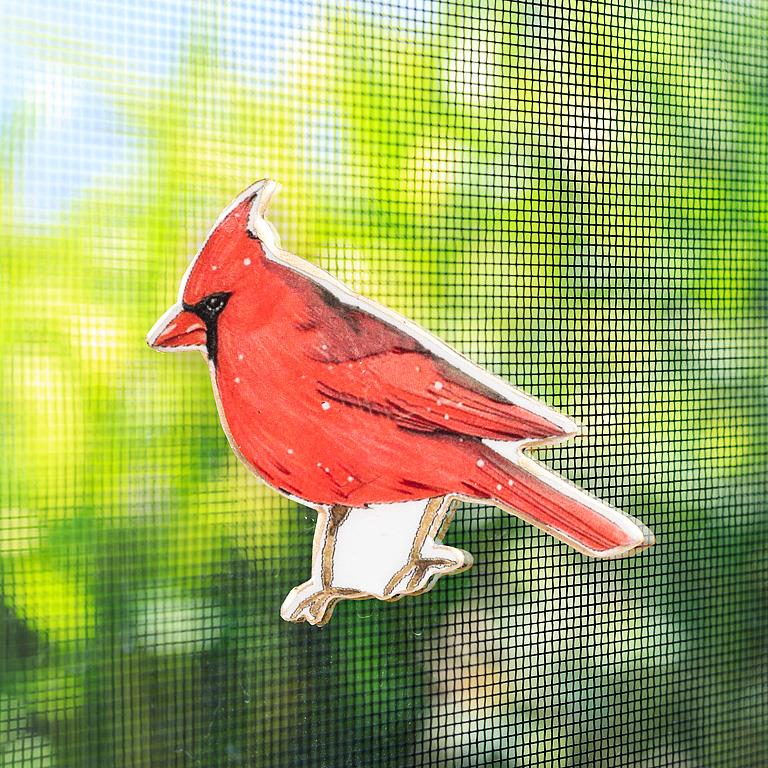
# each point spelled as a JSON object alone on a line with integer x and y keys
{"x": 419, "y": 575}
{"x": 312, "y": 603}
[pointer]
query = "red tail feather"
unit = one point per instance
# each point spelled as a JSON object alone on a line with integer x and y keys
{"x": 555, "y": 505}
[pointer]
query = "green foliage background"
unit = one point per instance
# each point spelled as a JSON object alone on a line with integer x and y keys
{"x": 576, "y": 196}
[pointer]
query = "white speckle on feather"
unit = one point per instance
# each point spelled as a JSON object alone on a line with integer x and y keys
{"x": 290, "y": 451}
{"x": 439, "y": 401}
{"x": 214, "y": 267}
{"x": 237, "y": 379}
{"x": 418, "y": 369}
{"x": 241, "y": 356}
{"x": 438, "y": 385}
{"x": 480, "y": 463}
{"x": 325, "y": 406}
{"x": 459, "y": 404}
{"x": 350, "y": 478}
{"x": 330, "y": 367}
{"x": 324, "y": 347}
{"x": 320, "y": 464}
{"x": 247, "y": 262}
{"x": 498, "y": 486}
{"x": 510, "y": 483}
{"x": 327, "y": 470}
{"x": 446, "y": 417}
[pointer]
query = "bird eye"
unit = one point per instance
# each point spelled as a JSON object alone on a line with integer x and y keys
{"x": 211, "y": 306}
{"x": 214, "y": 303}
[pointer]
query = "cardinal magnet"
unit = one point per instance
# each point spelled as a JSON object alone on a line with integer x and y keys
{"x": 350, "y": 408}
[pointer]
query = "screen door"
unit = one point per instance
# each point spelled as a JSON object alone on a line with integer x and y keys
{"x": 574, "y": 195}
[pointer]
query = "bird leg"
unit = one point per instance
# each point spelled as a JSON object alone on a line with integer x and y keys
{"x": 356, "y": 551}
{"x": 314, "y": 600}
{"x": 428, "y": 558}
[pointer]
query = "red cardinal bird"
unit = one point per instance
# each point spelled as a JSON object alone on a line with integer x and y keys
{"x": 356, "y": 411}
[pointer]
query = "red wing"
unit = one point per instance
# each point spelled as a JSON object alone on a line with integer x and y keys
{"x": 374, "y": 365}
{"x": 424, "y": 393}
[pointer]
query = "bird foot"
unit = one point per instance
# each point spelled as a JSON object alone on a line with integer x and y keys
{"x": 419, "y": 575}
{"x": 313, "y": 603}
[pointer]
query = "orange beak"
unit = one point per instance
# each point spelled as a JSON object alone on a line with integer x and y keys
{"x": 177, "y": 329}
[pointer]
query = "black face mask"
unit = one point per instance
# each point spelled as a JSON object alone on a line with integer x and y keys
{"x": 208, "y": 310}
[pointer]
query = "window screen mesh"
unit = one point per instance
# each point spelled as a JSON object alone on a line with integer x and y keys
{"x": 573, "y": 194}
